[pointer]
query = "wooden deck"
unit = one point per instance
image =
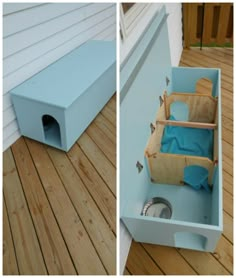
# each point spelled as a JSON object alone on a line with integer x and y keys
{"x": 150, "y": 259}
{"x": 59, "y": 209}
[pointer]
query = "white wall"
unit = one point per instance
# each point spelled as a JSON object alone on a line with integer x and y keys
{"x": 36, "y": 35}
{"x": 174, "y": 22}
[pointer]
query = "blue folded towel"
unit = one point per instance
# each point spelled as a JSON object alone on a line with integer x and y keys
{"x": 187, "y": 140}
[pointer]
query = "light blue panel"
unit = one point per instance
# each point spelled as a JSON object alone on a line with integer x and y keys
{"x": 72, "y": 91}
{"x": 64, "y": 81}
{"x": 138, "y": 110}
{"x": 30, "y": 117}
{"x": 155, "y": 33}
{"x": 188, "y": 83}
{"x": 80, "y": 115}
{"x": 188, "y": 205}
{"x": 162, "y": 231}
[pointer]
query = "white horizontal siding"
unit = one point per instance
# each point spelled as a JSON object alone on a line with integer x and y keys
{"x": 8, "y": 9}
{"x": 36, "y": 35}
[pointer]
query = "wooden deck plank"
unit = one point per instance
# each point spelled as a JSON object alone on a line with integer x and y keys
{"x": 126, "y": 272}
{"x": 228, "y": 202}
{"x": 204, "y": 263}
{"x": 56, "y": 256}
{"x": 228, "y": 226}
{"x": 228, "y": 182}
{"x": 103, "y": 142}
{"x": 94, "y": 222}
{"x": 10, "y": 266}
{"x": 205, "y": 61}
{"x": 140, "y": 263}
{"x": 104, "y": 167}
{"x": 28, "y": 253}
{"x": 106, "y": 127}
{"x": 169, "y": 260}
{"x": 224, "y": 254}
{"x": 103, "y": 197}
{"x": 75, "y": 235}
{"x": 227, "y": 135}
{"x": 214, "y": 54}
{"x": 108, "y": 113}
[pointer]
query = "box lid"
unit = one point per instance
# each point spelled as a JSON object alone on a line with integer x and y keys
{"x": 144, "y": 77}
{"x": 62, "y": 82}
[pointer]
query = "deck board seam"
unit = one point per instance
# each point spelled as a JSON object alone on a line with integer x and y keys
{"x": 99, "y": 146}
{"x": 4, "y": 200}
{"x": 105, "y": 116}
{"x": 94, "y": 166}
{"x": 197, "y": 55}
{"x": 28, "y": 208}
{"x": 150, "y": 256}
{"x": 75, "y": 209}
{"x": 221, "y": 263}
{"x": 51, "y": 208}
{"x": 90, "y": 193}
{"x": 195, "y": 270}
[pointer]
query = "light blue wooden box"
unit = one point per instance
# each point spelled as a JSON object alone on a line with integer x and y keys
{"x": 197, "y": 221}
{"x": 57, "y": 104}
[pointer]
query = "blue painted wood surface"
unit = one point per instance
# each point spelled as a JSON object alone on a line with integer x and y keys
{"x": 196, "y": 222}
{"x": 71, "y": 91}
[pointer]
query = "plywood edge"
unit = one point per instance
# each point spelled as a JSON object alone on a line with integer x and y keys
{"x": 187, "y": 124}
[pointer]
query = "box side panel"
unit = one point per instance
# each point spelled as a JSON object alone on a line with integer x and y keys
{"x": 29, "y": 115}
{"x": 177, "y": 234}
{"x": 217, "y": 194}
{"x": 184, "y": 79}
{"x": 138, "y": 110}
{"x": 81, "y": 113}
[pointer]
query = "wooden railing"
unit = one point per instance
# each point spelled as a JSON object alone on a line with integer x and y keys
{"x": 209, "y": 23}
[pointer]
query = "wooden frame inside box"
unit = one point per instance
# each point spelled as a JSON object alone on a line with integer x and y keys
{"x": 202, "y": 114}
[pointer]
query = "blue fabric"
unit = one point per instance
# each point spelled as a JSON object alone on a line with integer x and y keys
{"x": 196, "y": 177}
{"x": 186, "y": 140}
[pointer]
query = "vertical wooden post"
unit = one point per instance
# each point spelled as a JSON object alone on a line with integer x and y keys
{"x": 186, "y": 8}
{"x": 223, "y": 23}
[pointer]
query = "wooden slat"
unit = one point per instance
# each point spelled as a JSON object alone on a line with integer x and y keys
{"x": 228, "y": 226}
{"x": 187, "y": 124}
{"x": 228, "y": 202}
{"x": 208, "y": 62}
{"x": 109, "y": 114}
{"x": 104, "y": 167}
{"x": 228, "y": 182}
{"x": 187, "y": 30}
{"x": 208, "y": 21}
{"x": 29, "y": 257}
{"x": 223, "y": 22}
{"x": 126, "y": 272}
{"x": 94, "y": 222}
{"x": 169, "y": 260}
{"x": 140, "y": 263}
{"x": 75, "y": 235}
{"x": 106, "y": 127}
{"x": 204, "y": 263}
{"x": 103, "y": 142}
{"x": 224, "y": 253}
{"x": 9, "y": 257}
{"x": 56, "y": 256}
{"x": 103, "y": 197}
{"x": 193, "y": 22}
{"x": 214, "y": 54}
